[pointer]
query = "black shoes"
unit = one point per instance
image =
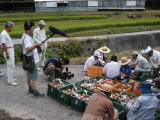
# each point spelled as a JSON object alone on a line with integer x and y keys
{"x": 36, "y": 93}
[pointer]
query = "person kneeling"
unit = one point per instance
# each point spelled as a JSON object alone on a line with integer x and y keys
{"x": 54, "y": 66}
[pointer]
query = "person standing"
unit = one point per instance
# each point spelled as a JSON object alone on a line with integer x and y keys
{"x": 39, "y": 35}
{"x": 30, "y": 49}
{"x": 8, "y": 51}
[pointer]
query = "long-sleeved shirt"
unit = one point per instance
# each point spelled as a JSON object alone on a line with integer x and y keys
{"x": 39, "y": 35}
{"x": 155, "y": 59}
{"x": 112, "y": 69}
{"x": 142, "y": 64}
{"x": 98, "y": 107}
{"x": 92, "y": 62}
{"x": 144, "y": 108}
{"x": 126, "y": 70}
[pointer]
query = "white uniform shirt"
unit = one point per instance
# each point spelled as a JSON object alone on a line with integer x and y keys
{"x": 112, "y": 69}
{"x": 155, "y": 59}
{"x": 91, "y": 62}
{"x": 5, "y": 38}
{"x": 27, "y": 41}
{"x": 39, "y": 35}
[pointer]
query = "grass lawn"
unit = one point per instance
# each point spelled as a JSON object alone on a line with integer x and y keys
{"x": 88, "y": 23}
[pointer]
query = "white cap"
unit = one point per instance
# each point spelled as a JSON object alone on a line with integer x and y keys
{"x": 96, "y": 54}
{"x": 42, "y": 22}
{"x": 146, "y": 50}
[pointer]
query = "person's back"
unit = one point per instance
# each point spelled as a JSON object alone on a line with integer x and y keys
{"x": 55, "y": 61}
{"x": 112, "y": 69}
{"x": 98, "y": 106}
{"x": 144, "y": 108}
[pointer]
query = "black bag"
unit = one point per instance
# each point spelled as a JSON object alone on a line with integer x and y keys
{"x": 28, "y": 63}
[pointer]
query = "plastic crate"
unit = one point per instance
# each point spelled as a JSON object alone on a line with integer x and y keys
{"x": 157, "y": 117}
{"x": 78, "y": 104}
{"x": 64, "y": 98}
{"x": 144, "y": 77}
{"x": 53, "y": 91}
{"x": 95, "y": 71}
{"x": 97, "y": 78}
{"x": 85, "y": 105}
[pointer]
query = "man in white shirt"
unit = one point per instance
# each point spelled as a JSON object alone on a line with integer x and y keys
{"x": 153, "y": 58}
{"x": 94, "y": 61}
{"x": 112, "y": 69}
{"x": 39, "y": 35}
{"x": 29, "y": 49}
{"x": 8, "y": 49}
{"x": 141, "y": 63}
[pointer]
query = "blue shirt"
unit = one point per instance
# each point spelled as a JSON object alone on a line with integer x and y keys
{"x": 55, "y": 61}
{"x": 144, "y": 108}
{"x": 126, "y": 70}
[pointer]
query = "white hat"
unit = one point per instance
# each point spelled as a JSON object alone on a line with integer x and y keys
{"x": 96, "y": 54}
{"x": 146, "y": 50}
{"x": 104, "y": 50}
{"x": 124, "y": 61}
{"x": 42, "y": 22}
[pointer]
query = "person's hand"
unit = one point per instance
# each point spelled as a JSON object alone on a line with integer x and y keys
{"x": 38, "y": 44}
{"x": 7, "y": 55}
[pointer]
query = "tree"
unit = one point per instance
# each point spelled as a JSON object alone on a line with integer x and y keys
{"x": 153, "y": 4}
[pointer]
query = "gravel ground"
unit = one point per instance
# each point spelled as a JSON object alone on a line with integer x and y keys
{"x": 16, "y": 101}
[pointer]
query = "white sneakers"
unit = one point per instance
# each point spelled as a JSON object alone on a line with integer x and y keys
{"x": 13, "y": 84}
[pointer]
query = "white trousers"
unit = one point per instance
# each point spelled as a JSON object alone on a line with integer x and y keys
{"x": 10, "y": 65}
{"x": 42, "y": 55}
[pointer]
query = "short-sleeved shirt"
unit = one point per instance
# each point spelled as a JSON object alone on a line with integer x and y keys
{"x": 55, "y": 61}
{"x": 126, "y": 70}
{"x": 5, "y": 38}
{"x": 27, "y": 41}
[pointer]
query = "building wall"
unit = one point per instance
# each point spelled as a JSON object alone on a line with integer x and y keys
{"x": 17, "y": 5}
{"x": 92, "y": 5}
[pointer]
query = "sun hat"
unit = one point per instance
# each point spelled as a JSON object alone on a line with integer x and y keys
{"x": 145, "y": 87}
{"x": 124, "y": 61}
{"x": 96, "y": 54}
{"x": 42, "y": 22}
{"x": 146, "y": 50}
{"x": 104, "y": 50}
{"x": 106, "y": 88}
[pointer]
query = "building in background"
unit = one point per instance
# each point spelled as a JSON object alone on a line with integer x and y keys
{"x": 87, "y": 5}
{"x": 70, "y": 5}
{"x": 17, "y": 5}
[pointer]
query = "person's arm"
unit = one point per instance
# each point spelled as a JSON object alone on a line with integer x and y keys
{"x": 110, "y": 109}
{"x": 29, "y": 49}
{"x": 4, "y": 48}
{"x": 87, "y": 64}
{"x": 134, "y": 107}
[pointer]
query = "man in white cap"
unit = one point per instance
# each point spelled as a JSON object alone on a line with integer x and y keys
{"x": 8, "y": 49}
{"x": 94, "y": 61}
{"x": 39, "y": 35}
{"x": 153, "y": 58}
{"x": 141, "y": 63}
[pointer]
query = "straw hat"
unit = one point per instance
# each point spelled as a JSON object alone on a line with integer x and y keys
{"x": 104, "y": 50}
{"x": 106, "y": 88}
{"x": 124, "y": 61}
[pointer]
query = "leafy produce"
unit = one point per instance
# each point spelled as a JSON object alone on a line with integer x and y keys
{"x": 124, "y": 99}
{"x": 69, "y": 91}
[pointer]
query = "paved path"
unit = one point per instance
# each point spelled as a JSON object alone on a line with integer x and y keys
{"x": 18, "y": 104}
{"x": 18, "y": 41}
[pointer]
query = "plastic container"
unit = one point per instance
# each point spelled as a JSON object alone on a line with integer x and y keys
{"x": 79, "y": 104}
{"x": 95, "y": 71}
{"x": 128, "y": 90}
{"x": 144, "y": 77}
{"x": 64, "y": 98}
{"x": 53, "y": 91}
{"x": 157, "y": 116}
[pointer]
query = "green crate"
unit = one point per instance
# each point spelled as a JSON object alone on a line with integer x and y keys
{"x": 157, "y": 116}
{"x": 85, "y": 104}
{"x": 53, "y": 92}
{"x": 78, "y": 104}
{"x": 98, "y": 78}
{"x": 144, "y": 77}
{"x": 64, "y": 98}
{"x": 84, "y": 88}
